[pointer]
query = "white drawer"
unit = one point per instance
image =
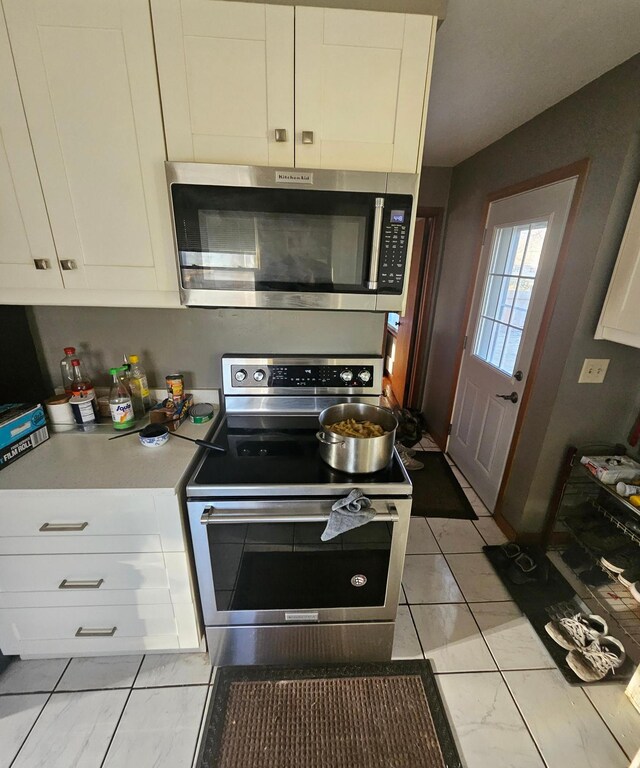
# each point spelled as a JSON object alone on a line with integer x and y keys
{"x": 88, "y": 573}
{"x": 80, "y": 513}
{"x": 85, "y": 624}
{"x": 80, "y": 544}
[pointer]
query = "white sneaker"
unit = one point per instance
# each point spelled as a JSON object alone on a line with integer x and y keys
{"x": 403, "y": 449}
{"x": 598, "y": 659}
{"x": 578, "y": 631}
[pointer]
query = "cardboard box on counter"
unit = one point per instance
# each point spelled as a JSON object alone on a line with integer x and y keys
{"x": 173, "y": 417}
{"x": 22, "y": 428}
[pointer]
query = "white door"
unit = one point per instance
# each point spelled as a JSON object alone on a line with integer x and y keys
{"x": 27, "y": 256}
{"x": 522, "y": 240}
{"x": 87, "y": 76}
{"x": 226, "y": 80}
{"x": 361, "y": 86}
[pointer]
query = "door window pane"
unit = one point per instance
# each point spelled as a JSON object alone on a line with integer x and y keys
{"x": 513, "y": 267}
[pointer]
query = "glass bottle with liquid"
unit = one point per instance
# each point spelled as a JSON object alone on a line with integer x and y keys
{"x": 84, "y": 403}
{"x": 120, "y": 404}
{"x": 139, "y": 385}
{"x": 66, "y": 369}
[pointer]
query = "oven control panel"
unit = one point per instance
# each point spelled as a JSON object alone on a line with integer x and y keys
{"x": 302, "y": 376}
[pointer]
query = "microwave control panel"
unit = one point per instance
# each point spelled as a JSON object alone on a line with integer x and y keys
{"x": 394, "y": 244}
{"x": 311, "y": 376}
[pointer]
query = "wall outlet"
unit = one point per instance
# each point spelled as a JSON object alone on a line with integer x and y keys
{"x": 593, "y": 371}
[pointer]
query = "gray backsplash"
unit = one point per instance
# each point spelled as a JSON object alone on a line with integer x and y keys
{"x": 191, "y": 341}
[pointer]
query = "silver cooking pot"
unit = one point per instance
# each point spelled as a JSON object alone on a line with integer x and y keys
{"x": 357, "y": 455}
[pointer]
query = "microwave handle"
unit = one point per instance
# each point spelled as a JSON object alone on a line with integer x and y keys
{"x": 372, "y": 283}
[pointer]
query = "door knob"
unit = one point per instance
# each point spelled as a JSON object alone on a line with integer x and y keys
{"x": 307, "y": 137}
{"x": 281, "y": 134}
{"x": 513, "y": 397}
{"x": 68, "y": 264}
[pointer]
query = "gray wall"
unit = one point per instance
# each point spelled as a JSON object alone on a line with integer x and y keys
{"x": 600, "y": 122}
{"x": 435, "y": 183}
{"x": 192, "y": 341}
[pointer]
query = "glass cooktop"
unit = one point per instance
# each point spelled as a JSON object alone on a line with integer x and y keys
{"x": 278, "y": 451}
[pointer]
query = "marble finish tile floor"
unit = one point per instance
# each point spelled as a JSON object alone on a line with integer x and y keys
{"x": 507, "y": 704}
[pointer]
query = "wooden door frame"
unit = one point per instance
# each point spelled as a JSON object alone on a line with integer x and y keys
{"x": 580, "y": 169}
{"x": 427, "y": 278}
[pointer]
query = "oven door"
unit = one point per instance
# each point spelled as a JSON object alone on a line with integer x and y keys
{"x": 244, "y": 239}
{"x": 263, "y": 562}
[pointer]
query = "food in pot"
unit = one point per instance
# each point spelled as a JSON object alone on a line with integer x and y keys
{"x": 354, "y": 428}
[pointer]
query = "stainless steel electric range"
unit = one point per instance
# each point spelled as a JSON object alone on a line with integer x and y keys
{"x": 271, "y": 590}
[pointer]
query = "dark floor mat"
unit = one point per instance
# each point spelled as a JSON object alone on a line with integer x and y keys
{"x": 541, "y": 601}
{"x": 335, "y": 716}
{"x": 436, "y": 492}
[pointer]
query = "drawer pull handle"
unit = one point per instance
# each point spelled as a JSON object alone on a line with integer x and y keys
{"x": 81, "y": 584}
{"x": 57, "y": 527}
{"x": 98, "y": 632}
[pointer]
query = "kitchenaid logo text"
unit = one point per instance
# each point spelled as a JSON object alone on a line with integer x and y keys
{"x": 289, "y": 176}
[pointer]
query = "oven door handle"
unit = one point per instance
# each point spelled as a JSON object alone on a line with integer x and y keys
{"x": 211, "y": 515}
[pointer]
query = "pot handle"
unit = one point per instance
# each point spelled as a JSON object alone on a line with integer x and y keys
{"x": 322, "y": 437}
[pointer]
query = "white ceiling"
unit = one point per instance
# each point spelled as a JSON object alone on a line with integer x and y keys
{"x": 498, "y": 63}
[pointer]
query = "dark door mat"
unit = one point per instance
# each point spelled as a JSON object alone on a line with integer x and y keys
{"x": 551, "y": 597}
{"x": 436, "y": 491}
{"x": 336, "y": 716}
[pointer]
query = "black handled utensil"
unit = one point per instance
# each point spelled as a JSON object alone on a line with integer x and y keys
{"x": 203, "y": 443}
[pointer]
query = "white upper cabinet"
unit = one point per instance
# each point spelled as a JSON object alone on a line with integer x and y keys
{"x": 87, "y": 76}
{"x": 361, "y": 88}
{"x": 27, "y": 255}
{"x": 226, "y": 79}
{"x": 346, "y": 90}
{"x": 620, "y": 318}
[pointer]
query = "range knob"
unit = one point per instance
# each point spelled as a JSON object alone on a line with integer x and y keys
{"x": 259, "y": 375}
{"x": 346, "y": 376}
{"x": 240, "y": 375}
{"x": 365, "y": 376}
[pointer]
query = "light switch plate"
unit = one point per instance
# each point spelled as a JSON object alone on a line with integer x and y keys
{"x": 593, "y": 371}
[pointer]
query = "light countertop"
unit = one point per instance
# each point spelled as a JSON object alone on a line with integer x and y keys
{"x": 83, "y": 461}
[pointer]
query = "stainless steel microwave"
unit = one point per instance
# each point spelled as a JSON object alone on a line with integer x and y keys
{"x": 290, "y": 238}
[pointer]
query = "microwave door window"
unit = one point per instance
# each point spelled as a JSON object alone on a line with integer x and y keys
{"x": 261, "y": 240}
{"x": 307, "y": 252}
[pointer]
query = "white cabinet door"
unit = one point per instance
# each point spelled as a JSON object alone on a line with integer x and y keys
{"x": 226, "y": 80}
{"x": 620, "y": 318}
{"x": 88, "y": 80}
{"x": 25, "y": 235}
{"x": 361, "y": 88}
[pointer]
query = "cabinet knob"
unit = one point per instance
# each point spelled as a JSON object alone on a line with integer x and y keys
{"x": 307, "y": 137}
{"x": 42, "y": 263}
{"x": 68, "y": 264}
{"x": 281, "y": 134}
